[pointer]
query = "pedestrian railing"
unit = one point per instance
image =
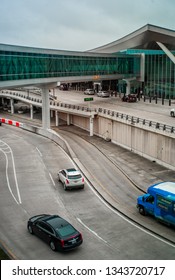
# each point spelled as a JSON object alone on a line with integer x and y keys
{"x": 110, "y": 113}
{"x": 136, "y": 120}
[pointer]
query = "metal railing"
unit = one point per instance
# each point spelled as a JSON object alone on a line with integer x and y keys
{"x": 136, "y": 120}
{"x": 110, "y": 113}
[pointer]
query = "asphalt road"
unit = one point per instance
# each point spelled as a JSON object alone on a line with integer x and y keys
{"x": 149, "y": 111}
{"x": 28, "y": 185}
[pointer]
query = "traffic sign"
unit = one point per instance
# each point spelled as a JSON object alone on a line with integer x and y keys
{"x": 88, "y": 99}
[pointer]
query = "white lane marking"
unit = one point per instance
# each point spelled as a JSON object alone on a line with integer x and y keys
{"x": 117, "y": 213}
{"x": 52, "y": 179}
{"x": 91, "y": 230}
{"x": 39, "y": 152}
{"x": 129, "y": 221}
{"x": 7, "y": 150}
{"x": 7, "y": 178}
{"x": 16, "y": 181}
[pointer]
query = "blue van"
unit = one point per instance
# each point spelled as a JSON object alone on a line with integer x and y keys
{"x": 159, "y": 201}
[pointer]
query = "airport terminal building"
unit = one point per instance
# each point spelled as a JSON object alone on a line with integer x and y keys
{"x": 142, "y": 61}
{"x": 157, "y": 46}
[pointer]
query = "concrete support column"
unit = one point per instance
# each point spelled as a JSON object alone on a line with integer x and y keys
{"x": 3, "y": 101}
{"x": 68, "y": 119}
{"x": 97, "y": 86}
{"x": 128, "y": 83}
{"x": 51, "y": 113}
{"x": 45, "y": 108}
{"x": 128, "y": 88}
{"x": 12, "y": 105}
{"x": 91, "y": 125}
{"x": 57, "y": 118}
{"x": 31, "y": 111}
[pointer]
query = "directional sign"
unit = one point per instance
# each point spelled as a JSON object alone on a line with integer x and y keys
{"x": 88, "y": 99}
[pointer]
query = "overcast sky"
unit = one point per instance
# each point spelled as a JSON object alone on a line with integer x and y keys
{"x": 78, "y": 25}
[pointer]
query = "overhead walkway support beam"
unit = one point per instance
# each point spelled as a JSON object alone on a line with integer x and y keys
{"x": 128, "y": 83}
{"x": 46, "y": 104}
{"x": 45, "y": 108}
{"x": 168, "y": 53}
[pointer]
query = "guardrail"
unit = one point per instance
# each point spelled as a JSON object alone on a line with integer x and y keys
{"x": 110, "y": 113}
{"x": 74, "y": 107}
{"x": 11, "y": 122}
{"x": 53, "y": 103}
{"x": 136, "y": 120}
{"x": 17, "y": 94}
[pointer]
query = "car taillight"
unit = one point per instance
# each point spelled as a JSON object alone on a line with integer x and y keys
{"x": 67, "y": 181}
{"x": 82, "y": 180}
{"x": 62, "y": 243}
{"x": 81, "y": 237}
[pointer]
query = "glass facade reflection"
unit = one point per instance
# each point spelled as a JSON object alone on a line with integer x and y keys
{"x": 159, "y": 71}
{"x": 159, "y": 74}
{"x": 23, "y": 65}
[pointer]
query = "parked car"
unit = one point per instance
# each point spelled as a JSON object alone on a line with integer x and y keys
{"x": 23, "y": 109}
{"x": 64, "y": 87}
{"x": 71, "y": 178}
{"x": 129, "y": 97}
{"x": 56, "y": 231}
{"x": 172, "y": 112}
{"x": 103, "y": 94}
{"x": 5, "y": 107}
{"x": 89, "y": 91}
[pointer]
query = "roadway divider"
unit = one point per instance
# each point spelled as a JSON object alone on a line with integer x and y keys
{"x": 11, "y": 122}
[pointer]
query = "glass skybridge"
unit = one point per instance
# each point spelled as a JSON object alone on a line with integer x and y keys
{"x": 19, "y": 63}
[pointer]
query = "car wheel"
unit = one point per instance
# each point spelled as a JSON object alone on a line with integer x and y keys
{"x": 142, "y": 210}
{"x": 64, "y": 186}
{"x": 52, "y": 246}
{"x": 172, "y": 114}
{"x": 30, "y": 229}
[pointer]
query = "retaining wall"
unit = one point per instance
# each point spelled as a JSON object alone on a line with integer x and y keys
{"x": 152, "y": 142}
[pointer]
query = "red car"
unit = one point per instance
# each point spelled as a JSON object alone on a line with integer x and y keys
{"x": 129, "y": 98}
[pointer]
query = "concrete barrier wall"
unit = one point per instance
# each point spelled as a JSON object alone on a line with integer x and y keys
{"x": 81, "y": 122}
{"x": 51, "y": 135}
{"x": 148, "y": 142}
{"x": 151, "y": 144}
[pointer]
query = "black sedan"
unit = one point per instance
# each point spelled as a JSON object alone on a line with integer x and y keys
{"x": 57, "y": 232}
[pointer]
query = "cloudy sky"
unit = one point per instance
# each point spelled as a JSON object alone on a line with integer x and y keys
{"x": 78, "y": 25}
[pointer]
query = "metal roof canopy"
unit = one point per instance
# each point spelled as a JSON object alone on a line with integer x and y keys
{"x": 143, "y": 38}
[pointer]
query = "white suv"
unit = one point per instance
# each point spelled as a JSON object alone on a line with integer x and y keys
{"x": 71, "y": 178}
{"x": 89, "y": 91}
{"x": 172, "y": 112}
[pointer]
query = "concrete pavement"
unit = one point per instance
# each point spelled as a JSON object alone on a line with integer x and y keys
{"x": 141, "y": 171}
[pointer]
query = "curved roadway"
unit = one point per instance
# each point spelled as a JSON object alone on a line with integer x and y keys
{"x": 28, "y": 171}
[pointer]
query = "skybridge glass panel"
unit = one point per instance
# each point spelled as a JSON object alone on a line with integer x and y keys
{"x": 21, "y": 65}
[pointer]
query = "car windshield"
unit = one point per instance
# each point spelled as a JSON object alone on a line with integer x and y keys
{"x": 74, "y": 177}
{"x": 65, "y": 230}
